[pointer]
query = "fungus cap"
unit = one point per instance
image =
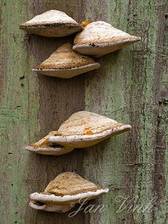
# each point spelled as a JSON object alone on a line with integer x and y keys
{"x": 100, "y": 38}
{"x": 64, "y": 192}
{"x": 52, "y": 23}
{"x": 65, "y": 63}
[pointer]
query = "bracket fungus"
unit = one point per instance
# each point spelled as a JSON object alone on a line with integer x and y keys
{"x": 64, "y": 192}
{"x": 52, "y": 23}
{"x": 65, "y": 63}
{"x": 43, "y": 147}
{"x": 100, "y": 38}
{"x": 82, "y": 129}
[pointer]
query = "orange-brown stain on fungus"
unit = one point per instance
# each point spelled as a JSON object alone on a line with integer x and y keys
{"x": 85, "y": 22}
{"x": 88, "y": 131}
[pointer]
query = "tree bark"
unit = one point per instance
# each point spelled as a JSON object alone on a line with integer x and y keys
{"x": 131, "y": 86}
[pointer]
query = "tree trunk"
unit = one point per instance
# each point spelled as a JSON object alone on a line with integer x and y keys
{"x": 131, "y": 86}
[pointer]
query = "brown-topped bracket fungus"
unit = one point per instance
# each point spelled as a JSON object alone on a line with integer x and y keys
{"x": 81, "y": 130}
{"x": 64, "y": 192}
{"x": 100, "y": 38}
{"x": 52, "y": 23}
{"x": 65, "y": 63}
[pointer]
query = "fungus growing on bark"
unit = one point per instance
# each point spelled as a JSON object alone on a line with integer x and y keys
{"x": 81, "y": 130}
{"x": 100, "y": 38}
{"x": 52, "y": 23}
{"x": 65, "y": 63}
{"x": 64, "y": 192}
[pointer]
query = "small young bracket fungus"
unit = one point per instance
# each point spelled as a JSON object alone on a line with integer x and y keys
{"x": 100, "y": 38}
{"x": 43, "y": 147}
{"x": 65, "y": 63}
{"x": 81, "y": 130}
{"x": 52, "y": 23}
{"x": 64, "y": 192}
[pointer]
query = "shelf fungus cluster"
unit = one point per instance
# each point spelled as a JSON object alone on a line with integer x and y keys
{"x": 93, "y": 38}
{"x": 64, "y": 192}
{"x": 81, "y": 130}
